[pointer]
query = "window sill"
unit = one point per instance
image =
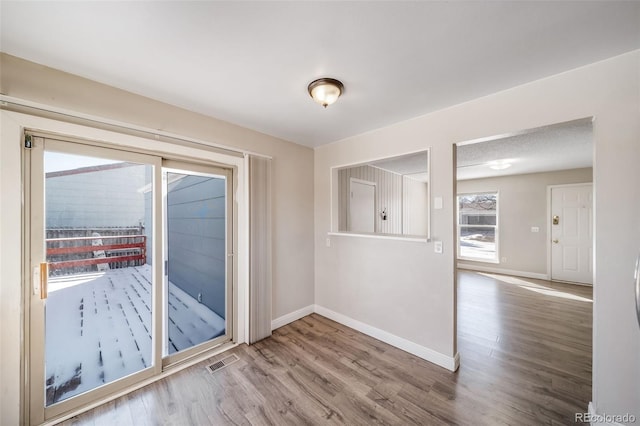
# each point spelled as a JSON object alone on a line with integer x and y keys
{"x": 381, "y": 237}
{"x": 470, "y": 259}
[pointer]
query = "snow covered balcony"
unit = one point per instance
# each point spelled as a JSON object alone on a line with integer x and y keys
{"x": 105, "y": 315}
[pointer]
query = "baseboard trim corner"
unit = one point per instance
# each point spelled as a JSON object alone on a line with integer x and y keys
{"x": 456, "y": 361}
{"x": 490, "y": 269}
{"x": 450, "y": 363}
{"x": 291, "y": 317}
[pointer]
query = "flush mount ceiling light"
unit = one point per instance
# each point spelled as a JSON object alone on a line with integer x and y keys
{"x": 499, "y": 165}
{"x": 325, "y": 91}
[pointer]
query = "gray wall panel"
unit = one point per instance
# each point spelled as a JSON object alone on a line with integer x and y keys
{"x": 197, "y": 252}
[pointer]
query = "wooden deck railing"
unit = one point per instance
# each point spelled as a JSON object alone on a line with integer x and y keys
{"x": 70, "y": 246}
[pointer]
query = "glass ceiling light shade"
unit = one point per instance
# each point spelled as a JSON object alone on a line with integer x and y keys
{"x": 325, "y": 91}
{"x": 499, "y": 165}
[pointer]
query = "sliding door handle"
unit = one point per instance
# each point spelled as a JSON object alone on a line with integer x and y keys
{"x": 636, "y": 277}
{"x": 44, "y": 280}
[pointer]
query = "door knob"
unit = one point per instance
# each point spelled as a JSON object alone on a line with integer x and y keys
{"x": 556, "y": 241}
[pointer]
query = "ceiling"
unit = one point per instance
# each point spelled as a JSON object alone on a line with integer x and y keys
{"x": 249, "y": 63}
{"x": 413, "y": 165}
{"x": 557, "y": 147}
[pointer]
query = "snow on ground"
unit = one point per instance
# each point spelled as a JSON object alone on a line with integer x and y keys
{"x": 474, "y": 247}
{"x": 98, "y": 328}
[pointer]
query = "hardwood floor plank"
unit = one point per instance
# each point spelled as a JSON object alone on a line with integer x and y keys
{"x": 525, "y": 349}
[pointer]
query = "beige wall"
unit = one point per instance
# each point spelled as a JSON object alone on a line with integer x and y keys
{"x": 522, "y": 203}
{"x": 293, "y": 255}
{"x": 406, "y": 289}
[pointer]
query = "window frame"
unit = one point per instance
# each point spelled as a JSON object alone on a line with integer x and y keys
{"x": 496, "y": 227}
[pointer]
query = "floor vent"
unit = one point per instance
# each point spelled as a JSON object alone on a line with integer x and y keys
{"x": 219, "y": 365}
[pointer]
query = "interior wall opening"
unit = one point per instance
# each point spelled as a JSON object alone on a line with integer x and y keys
{"x": 509, "y": 302}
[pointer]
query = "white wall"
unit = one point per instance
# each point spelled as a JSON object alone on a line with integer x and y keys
{"x": 293, "y": 251}
{"x": 405, "y": 289}
{"x": 522, "y": 203}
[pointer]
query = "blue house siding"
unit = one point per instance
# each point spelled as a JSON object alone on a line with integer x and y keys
{"x": 196, "y": 215}
{"x": 97, "y": 198}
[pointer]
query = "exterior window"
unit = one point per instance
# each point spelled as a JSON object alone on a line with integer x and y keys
{"x": 478, "y": 227}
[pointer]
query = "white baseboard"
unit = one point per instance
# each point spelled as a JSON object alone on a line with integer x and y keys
{"x": 607, "y": 420}
{"x": 481, "y": 268}
{"x": 450, "y": 363}
{"x": 291, "y": 317}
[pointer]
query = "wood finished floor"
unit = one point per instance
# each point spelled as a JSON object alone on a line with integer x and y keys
{"x": 525, "y": 349}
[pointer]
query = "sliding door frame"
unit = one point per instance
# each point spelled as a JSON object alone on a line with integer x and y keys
{"x": 194, "y": 169}
{"x": 35, "y": 197}
{"x": 194, "y": 153}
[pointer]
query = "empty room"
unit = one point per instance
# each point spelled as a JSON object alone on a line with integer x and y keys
{"x": 309, "y": 212}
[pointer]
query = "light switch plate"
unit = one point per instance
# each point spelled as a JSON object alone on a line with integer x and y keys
{"x": 437, "y": 203}
{"x": 328, "y": 242}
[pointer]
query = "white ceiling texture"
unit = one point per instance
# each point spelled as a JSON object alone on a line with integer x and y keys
{"x": 556, "y": 147}
{"x": 249, "y": 63}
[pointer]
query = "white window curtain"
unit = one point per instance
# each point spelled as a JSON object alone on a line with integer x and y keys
{"x": 260, "y": 248}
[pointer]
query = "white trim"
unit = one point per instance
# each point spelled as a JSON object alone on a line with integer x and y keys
{"x": 379, "y": 237}
{"x": 473, "y": 259}
{"x": 591, "y": 409}
{"x": 450, "y": 363}
{"x": 291, "y": 317}
{"x": 243, "y": 253}
{"x": 523, "y": 274}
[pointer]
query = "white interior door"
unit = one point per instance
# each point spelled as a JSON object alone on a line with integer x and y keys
{"x": 572, "y": 233}
{"x": 362, "y": 213}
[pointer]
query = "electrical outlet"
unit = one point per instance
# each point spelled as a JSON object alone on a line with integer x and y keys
{"x": 535, "y": 229}
{"x": 437, "y": 247}
{"x": 503, "y": 260}
{"x": 328, "y": 242}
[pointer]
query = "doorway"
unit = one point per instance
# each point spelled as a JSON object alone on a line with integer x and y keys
{"x": 362, "y": 206}
{"x": 552, "y": 326}
{"x": 129, "y": 254}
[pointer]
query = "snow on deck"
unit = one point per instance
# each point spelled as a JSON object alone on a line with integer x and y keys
{"x": 98, "y": 328}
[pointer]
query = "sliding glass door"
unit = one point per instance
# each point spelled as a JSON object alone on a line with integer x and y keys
{"x": 198, "y": 253}
{"x": 93, "y": 302}
{"x": 131, "y": 263}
